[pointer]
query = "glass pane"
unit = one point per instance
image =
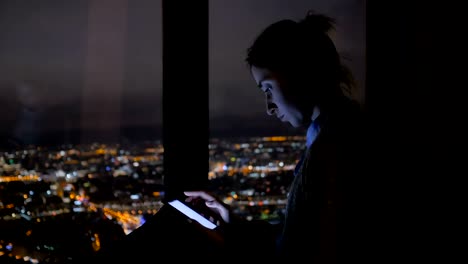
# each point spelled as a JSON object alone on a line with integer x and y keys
{"x": 80, "y": 157}
{"x": 252, "y": 154}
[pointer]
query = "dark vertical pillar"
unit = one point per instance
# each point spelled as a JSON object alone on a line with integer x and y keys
{"x": 185, "y": 95}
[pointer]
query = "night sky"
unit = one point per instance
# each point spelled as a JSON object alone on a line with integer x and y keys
{"x": 50, "y": 57}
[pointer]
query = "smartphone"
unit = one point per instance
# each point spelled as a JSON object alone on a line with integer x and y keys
{"x": 192, "y": 214}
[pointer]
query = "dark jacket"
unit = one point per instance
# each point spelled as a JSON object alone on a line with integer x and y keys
{"x": 325, "y": 206}
{"x": 325, "y": 216}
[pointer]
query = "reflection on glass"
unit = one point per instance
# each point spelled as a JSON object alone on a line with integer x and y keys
{"x": 80, "y": 151}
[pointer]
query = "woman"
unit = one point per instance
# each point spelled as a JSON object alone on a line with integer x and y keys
{"x": 297, "y": 67}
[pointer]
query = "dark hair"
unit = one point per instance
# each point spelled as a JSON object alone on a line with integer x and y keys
{"x": 303, "y": 52}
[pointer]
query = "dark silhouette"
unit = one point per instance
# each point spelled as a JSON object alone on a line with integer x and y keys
{"x": 305, "y": 83}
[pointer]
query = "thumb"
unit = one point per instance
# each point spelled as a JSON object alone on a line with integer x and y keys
{"x": 220, "y": 209}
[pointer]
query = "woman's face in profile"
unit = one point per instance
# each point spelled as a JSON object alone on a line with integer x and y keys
{"x": 278, "y": 97}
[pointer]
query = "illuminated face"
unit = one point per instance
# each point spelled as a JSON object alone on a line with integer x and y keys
{"x": 279, "y": 100}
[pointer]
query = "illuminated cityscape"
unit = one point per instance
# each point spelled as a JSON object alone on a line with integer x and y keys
{"x": 67, "y": 200}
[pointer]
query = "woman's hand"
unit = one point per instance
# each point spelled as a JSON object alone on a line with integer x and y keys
{"x": 211, "y": 202}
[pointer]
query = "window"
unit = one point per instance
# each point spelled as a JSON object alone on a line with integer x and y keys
{"x": 81, "y": 91}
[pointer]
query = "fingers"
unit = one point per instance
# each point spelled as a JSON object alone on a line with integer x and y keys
{"x": 222, "y": 211}
{"x": 210, "y": 202}
{"x": 199, "y": 194}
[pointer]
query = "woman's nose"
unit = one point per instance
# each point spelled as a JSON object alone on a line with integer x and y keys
{"x": 270, "y": 108}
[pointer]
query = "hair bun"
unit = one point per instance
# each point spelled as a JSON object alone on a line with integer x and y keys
{"x": 317, "y": 23}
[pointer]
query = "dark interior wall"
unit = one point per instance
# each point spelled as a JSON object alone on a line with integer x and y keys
{"x": 416, "y": 54}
